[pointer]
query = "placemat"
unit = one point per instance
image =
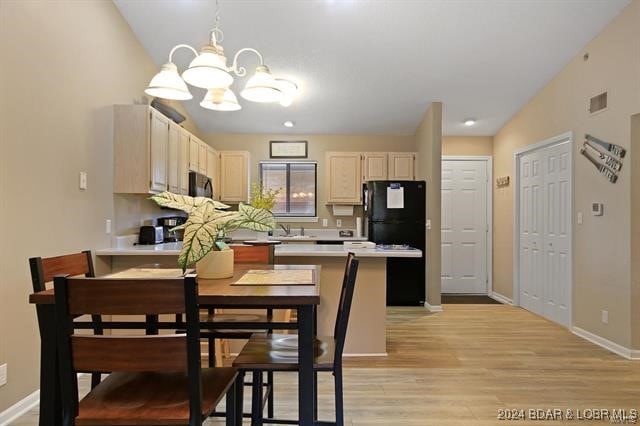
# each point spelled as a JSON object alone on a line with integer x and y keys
{"x": 276, "y": 277}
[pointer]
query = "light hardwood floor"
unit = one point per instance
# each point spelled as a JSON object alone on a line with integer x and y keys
{"x": 460, "y": 366}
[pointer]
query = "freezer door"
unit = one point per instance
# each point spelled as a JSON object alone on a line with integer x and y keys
{"x": 413, "y": 201}
{"x": 411, "y": 233}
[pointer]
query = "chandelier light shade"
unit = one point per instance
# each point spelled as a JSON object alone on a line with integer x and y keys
{"x": 167, "y": 84}
{"x": 209, "y": 70}
{"x": 262, "y": 87}
{"x": 220, "y": 100}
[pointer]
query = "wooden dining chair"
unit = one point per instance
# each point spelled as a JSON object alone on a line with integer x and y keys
{"x": 265, "y": 353}
{"x": 44, "y": 269}
{"x": 155, "y": 379}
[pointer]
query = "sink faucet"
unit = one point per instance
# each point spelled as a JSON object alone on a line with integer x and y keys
{"x": 286, "y": 229}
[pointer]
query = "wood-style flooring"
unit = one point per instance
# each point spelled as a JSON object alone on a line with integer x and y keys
{"x": 463, "y": 365}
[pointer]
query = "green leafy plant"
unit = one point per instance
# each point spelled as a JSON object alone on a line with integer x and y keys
{"x": 209, "y": 222}
{"x": 263, "y": 199}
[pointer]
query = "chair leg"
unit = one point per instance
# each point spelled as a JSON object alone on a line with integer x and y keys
{"x": 315, "y": 395}
{"x": 211, "y": 344}
{"x": 239, "y": 397}
{"x": 95, "y": 379}
{"x": 230, "y": 418}
{"x": 256, "y": 399}
{"x": 337, "y": 374}
{"x": 270, "y": 389}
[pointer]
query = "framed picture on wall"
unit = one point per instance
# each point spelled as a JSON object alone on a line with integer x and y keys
{"x": 288, "y": 149}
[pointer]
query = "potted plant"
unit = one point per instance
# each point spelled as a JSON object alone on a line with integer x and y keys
{"x": 204, "y": 231}
{"x": 263, "y": 199}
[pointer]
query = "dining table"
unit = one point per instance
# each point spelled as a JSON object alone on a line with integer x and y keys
{"x": 235, "y": 292}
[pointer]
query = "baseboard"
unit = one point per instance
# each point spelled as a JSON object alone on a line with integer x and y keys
{"x": 607, "y": 344}
{"x": 19, "y": 408}
{"x": 500, "y": 298}
{"x": 433, "y": 308}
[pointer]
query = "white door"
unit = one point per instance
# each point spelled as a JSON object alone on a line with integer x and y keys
{"x": 464, "y": 226}
{"x": 545, "y": 232}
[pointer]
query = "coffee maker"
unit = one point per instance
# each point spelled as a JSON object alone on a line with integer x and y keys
{"x": 167, "y": 224}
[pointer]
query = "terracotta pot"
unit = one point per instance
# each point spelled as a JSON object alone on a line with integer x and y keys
{"x": 216, "y": 264}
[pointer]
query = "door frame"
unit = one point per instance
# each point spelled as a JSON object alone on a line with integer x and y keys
{"x": 556, "y": 140}
{"x": 488, "y": 160}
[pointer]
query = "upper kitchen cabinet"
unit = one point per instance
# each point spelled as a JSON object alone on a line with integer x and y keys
{"x": 234, "y": 176}
{"x": 141, "y": 150}
{"x": 173, "y": 161}
{"x": 402, "y": 166}
{"x": 374, "y": 166}
{"x": 213, "y": 171}
{"x": 344, "y": 177}
{"x": 183, "y": 161}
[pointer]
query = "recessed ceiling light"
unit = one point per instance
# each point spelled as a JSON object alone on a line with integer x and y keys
{"x": 288, "y": 123}
{"x": 469, "y": 122}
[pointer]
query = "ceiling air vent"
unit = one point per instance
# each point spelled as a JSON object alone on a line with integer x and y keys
{"x": 598, "y": 103}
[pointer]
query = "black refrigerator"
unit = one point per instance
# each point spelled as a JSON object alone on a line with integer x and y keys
{"x": 395, "y": 213}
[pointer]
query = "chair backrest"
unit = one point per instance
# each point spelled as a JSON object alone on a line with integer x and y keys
{"x": 253, "y": 254}
{"x": 131, "y": 353}
{"x": 344, "y": 305}
{"x": 44, "y": 269}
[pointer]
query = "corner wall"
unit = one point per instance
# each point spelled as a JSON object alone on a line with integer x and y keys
{"x": 601, "y": 244}
{"x": 64, "y": 64}
{"x": 635, "y": 231}
{"x": 429, "y": 147}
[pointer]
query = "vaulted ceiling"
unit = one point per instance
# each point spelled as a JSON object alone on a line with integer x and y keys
{"x": 372, "y": 67}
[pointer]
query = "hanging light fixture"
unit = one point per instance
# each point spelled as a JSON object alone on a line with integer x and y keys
{"x": 209, "y": 70}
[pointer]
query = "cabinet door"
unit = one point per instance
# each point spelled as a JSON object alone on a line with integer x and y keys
{"x": 344, "y": 177}
{"x": 374, "y": 166}
{"x": 183, "y": 162}
{"x": 234, "y": 176}
{"x": 202, "y": 158}
{"x": 194, "y": 151}
{"x": 174, "y": 158}
{"x": 402, "y": 166}
{"x": 216, "y": 175}
{"x": 159, "y": 151}
{"x": 212, "y": 169}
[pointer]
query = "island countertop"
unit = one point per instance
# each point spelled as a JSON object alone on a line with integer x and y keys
{"x": 284, "y": 250}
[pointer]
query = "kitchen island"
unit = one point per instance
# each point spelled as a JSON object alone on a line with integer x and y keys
{"x": 367, "y": 330}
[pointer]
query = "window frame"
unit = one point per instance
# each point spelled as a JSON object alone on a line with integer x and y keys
{"x": 287, "y": 190}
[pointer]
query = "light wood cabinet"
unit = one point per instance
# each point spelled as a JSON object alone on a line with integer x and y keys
{"x": 183, "y": 161}
{"x": 343, "y": 177}
{"x": 194, "y": 151}
{"x": 202, "y": 157}
{"x": 402, "y": 166}
{"x": 374, "y": 166}
{"x": 234, "y": 176}
{"x": 213, "y": 171}
{"x": 174, "y": 158}
{"x": 159, "y": 151}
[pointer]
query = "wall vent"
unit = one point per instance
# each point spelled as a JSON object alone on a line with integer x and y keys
{"x": 598, "y": 103}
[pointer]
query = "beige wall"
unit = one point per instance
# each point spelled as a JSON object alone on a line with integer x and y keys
{"x": 429, "y": 147}
{"x": 258, "y": 146}
{"x": 63, "y": 65}
{"x": 601, "y": 244}
{"x": 467, "y": 145}
{"x": 635, "y": 231}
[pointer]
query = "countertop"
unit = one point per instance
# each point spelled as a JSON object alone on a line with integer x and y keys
{"x": 284, "y": 250}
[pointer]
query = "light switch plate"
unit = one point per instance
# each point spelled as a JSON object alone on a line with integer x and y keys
{"x": 579, "y": 218}
{"x": 339, "y": 223}
{"x": 428, "y": 223}
{"x": 107, "y": 226}
{"x": 3, "y": 374}
{"x": 83, "y": 180}
{"x": 605, "y": 317}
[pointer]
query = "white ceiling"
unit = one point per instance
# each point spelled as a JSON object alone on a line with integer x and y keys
{"x": 373, "y": 66}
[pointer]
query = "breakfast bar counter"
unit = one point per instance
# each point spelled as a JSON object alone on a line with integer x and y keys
{"x": 367, "y": 330}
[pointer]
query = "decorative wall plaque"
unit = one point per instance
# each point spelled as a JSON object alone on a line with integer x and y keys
{"x": 288, "y": 149}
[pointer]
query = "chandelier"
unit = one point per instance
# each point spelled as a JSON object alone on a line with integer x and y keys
{"x": 209, "y": 70}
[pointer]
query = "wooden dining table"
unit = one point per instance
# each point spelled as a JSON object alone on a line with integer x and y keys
{"x": 214, "y": 293}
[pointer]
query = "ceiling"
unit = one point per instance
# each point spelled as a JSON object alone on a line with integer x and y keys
{"x": 373, "y": 67}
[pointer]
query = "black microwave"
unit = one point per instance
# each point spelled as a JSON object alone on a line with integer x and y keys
{"x": 200, "y": 185}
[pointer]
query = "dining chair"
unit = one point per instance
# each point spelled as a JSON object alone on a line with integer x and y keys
{"x": 155, "y": 379}
{"x": 278, "y": 352}
{"x": 44, "y": 269}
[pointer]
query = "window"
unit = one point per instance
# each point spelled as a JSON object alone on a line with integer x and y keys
{"x": 297, "y": 184}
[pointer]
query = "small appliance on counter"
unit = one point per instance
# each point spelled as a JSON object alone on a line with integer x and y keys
{"x": 151, "y": 235}
{"x": 169, "y": 222}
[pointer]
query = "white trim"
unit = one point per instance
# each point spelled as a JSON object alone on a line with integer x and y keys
{"x": 489, "y": 167}
{"x": 433, "y": 308}
{"x": 607, "y": 344}
{"x": 500, "y": 298}
{"x": 566, "y": 137}
{"x": 19, "y": 408}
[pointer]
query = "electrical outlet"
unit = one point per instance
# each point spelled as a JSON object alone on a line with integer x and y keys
{"x": 579, "y": 218}
{"x": 107, "y": 226}
{"x": 3, "y": 374}
{"x": 428, "y": 223}
{"x": 83, "y": 180}
{"x": 338, "y": 223}
{"x": 605, "y": 317}
{"x": 325, "y": 222}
